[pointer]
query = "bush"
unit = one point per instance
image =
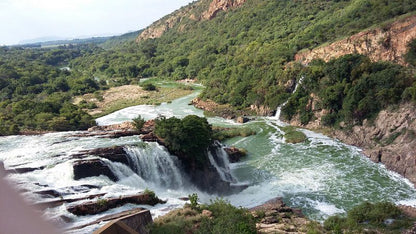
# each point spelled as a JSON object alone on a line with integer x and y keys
{"x": 369, "y": 216}
{"x": 227, "y": 219}
{"x": 188, "y": 138}
{"x": 149, "y": 87}
{"x": 138, "y": 122}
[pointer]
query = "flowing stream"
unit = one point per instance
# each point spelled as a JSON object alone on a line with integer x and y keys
{"x": 321, "y": 176}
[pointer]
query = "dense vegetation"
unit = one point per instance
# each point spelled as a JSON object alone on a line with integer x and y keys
{"x": 242, "y": 61}
{"x": 351, "y": 88}
{"x": 383, "y": 217}
{"x": 188, "y": 138}
{"x": 35, "y": 94}
{"x": 224, "y": 218}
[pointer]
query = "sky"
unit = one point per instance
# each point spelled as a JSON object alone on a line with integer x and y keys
{"x": 31, "y": 19}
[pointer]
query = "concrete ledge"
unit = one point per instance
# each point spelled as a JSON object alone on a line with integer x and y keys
{"x": 129, "y": 224}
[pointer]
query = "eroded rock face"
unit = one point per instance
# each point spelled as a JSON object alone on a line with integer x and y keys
{"x": 158, "y": 28}
{"x": 276, "y": 217}
{"x": 390, "y": 140}
{"x": 220, "y": 5}
{"x": 386, "y": 44}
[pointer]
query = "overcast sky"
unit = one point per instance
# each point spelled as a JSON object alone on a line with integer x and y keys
{"x": 30, "y": 19}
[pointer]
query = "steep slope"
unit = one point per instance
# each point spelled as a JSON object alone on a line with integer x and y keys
{"x": 196, "y": 11}
{"x": 387, "y": 43}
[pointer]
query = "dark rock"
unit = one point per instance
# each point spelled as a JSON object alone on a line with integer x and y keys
{"x": 184, "y": 198}
{"x": 101, "y": 205}
{"x": 234, "y": 154}
{"x": 49, "y": 193}
{"x": 22, "y": 170}
{"x": 91, "y": 168}
{"x": 66, "y": 191}
{"x": 114, "y": 154}
{"x": 58, "y": 202}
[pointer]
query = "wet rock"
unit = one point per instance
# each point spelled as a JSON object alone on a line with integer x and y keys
{"x": 114, "y": 154}
{"x": 58, "y": 202}
{"x": 91, "y": 168}
{"x": 22, "y": 170}
{"x": 234, "y": 154}
{"x": 101, "y": 205}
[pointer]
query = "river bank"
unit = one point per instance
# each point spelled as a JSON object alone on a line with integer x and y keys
{"x": 389, "y": 139}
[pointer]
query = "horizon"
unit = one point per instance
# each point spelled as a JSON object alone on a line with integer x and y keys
{"x": 33, "y": 20}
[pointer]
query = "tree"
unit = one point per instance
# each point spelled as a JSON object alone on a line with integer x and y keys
{"x": 189, "y": 138}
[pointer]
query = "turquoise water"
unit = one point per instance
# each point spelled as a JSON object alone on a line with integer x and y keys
{"x": 321, "y": 176}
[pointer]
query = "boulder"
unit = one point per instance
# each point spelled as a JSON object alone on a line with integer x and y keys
{"x": 114, "y": 154}
{"x": 92, "y": 167}
{"x": 104, "y": 204}
{"x": 242, "y": 119}
{"x": 234, "y": 154}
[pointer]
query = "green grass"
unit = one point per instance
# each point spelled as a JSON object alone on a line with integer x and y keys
{"x": 292, "y": 135}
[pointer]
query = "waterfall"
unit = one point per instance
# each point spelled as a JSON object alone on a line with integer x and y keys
{"x": 154, "y": 164}
{"x": 219, "y": 159}
{"x": 279, "y": 108}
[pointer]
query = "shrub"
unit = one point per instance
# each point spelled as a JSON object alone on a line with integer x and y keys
{"x": 149, "y": 87}
{"x": 138, "y": 122}
{"x": 193, "y": 198}
{"x": 189, "y": 138}
{"x": 227, "y": 219}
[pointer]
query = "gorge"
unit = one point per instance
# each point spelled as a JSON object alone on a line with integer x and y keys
{"x": 321, "y": 176}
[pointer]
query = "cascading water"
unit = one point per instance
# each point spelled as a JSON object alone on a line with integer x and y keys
{"x": 321, "y": 176}
{"x": 154, "y": 164}
{"x": 219, "y": 159}
{"x": 279, "y": 108}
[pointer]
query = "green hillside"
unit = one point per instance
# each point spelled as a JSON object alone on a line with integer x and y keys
{"x": 240, "y": 55}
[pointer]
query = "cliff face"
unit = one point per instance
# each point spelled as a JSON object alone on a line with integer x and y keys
{"x": 191, "y": 12}
{"x": 390, "y": 140}
{"x": 387, "y": 43}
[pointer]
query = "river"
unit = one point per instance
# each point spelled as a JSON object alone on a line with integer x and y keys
{"x": 321, "y": 176}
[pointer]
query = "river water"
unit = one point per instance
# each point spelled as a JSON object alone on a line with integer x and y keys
{"x": 321, "y": 176}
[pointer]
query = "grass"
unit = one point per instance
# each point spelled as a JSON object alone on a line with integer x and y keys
{"x": 221, "y": 133}
{"x": 164, "y": 94}
{"x": 224, "y": 218}
{"x": 370, "y": 217}
{"x": 292, "y": 135}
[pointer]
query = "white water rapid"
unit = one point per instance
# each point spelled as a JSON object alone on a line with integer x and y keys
{"x": 322, "y": 176}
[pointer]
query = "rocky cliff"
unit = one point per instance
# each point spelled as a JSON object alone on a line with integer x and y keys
{"x": 200, "y": 10}
{"x": 390, "y": 139}
{"x": 386, "y": 43}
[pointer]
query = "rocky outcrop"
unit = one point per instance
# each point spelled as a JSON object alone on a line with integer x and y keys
{"x": 180, "y": 18}
{"x": 115, "y": 154}
{"x": 91, "y": 168}
{"x": 390, "y": 139}
{"x": 387, "y": 43}
{"x": 223, "y": 110}
{"x": 221, "y": 5}
{"x": 103, "y": 204}
{"x": 234, "y": 154}
{"x": 276, "y": 217}
{"x": 262, "y": 110}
